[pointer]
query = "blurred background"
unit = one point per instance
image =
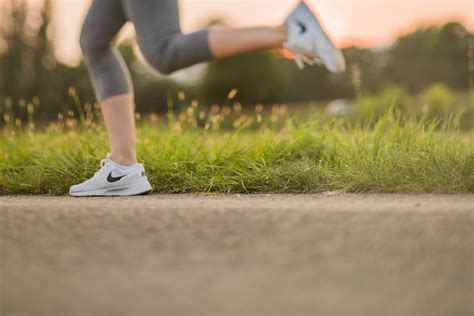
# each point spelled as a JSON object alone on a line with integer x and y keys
{"x": 419, "y": 52}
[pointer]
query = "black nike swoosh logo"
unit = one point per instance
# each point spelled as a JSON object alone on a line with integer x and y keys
{"x": 302, "y": 26}
{"x": 112, "y": 179}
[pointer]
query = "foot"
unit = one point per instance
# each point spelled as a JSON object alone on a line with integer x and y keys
{"x": 309, "y": 43}
{"x": 114, "y": 180}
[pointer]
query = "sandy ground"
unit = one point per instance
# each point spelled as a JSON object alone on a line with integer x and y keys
{"x": 238, "y": 255}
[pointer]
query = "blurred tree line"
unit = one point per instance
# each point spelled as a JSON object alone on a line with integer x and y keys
{"x": 29, "y": 71}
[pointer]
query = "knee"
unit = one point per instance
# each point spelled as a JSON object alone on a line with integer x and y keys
{"x": 163, "y": 57}
{"x": 164, "y": 65}
{"x": 90, "y": 44}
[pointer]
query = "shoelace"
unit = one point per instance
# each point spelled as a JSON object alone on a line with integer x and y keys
{"x": 301, "y": 59}
{"x": 103, "y": 163}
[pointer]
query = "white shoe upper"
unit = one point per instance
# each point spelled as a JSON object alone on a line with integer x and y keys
{"x": 308, "y": 41}
{"x": 111, "y": 177}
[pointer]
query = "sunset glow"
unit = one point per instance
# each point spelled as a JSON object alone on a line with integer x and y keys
{"x": 351, "y": 22}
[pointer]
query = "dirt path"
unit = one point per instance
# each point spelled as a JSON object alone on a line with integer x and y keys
{"x": 238, "y": 255}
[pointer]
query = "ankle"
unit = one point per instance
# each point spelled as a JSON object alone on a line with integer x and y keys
{"x": 124, "y": 160}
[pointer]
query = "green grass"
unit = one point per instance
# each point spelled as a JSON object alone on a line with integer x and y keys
{"x": 284, "y": 155}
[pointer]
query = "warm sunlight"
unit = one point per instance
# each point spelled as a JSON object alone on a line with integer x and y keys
{"x": 359, "y": 22}
{"x": 236, "y": 157}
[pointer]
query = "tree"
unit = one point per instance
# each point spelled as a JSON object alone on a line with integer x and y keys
{"x": 258, "y": 77}
{"x": 27, "y": 54}
{"x": 430, "y": 55}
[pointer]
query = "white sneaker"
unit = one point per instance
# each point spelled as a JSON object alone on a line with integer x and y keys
{"x": 309, "y": 43}
{"x": 114, "y": 180}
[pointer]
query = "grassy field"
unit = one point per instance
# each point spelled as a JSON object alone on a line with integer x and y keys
{"x": 226, "y": 150}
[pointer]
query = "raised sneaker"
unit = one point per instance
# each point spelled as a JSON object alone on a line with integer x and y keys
{"x": 309, "y": 43}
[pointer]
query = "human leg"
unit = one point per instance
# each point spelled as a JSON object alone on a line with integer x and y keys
{"x": 167, "y": 49}
{"x": 120, "y": 174}
{"x": 110, "y": 76}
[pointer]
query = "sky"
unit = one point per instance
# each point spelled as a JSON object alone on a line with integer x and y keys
{"x": 350, "y": 22}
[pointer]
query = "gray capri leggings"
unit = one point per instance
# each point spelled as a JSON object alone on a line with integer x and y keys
{"x": 159, "y": 36}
